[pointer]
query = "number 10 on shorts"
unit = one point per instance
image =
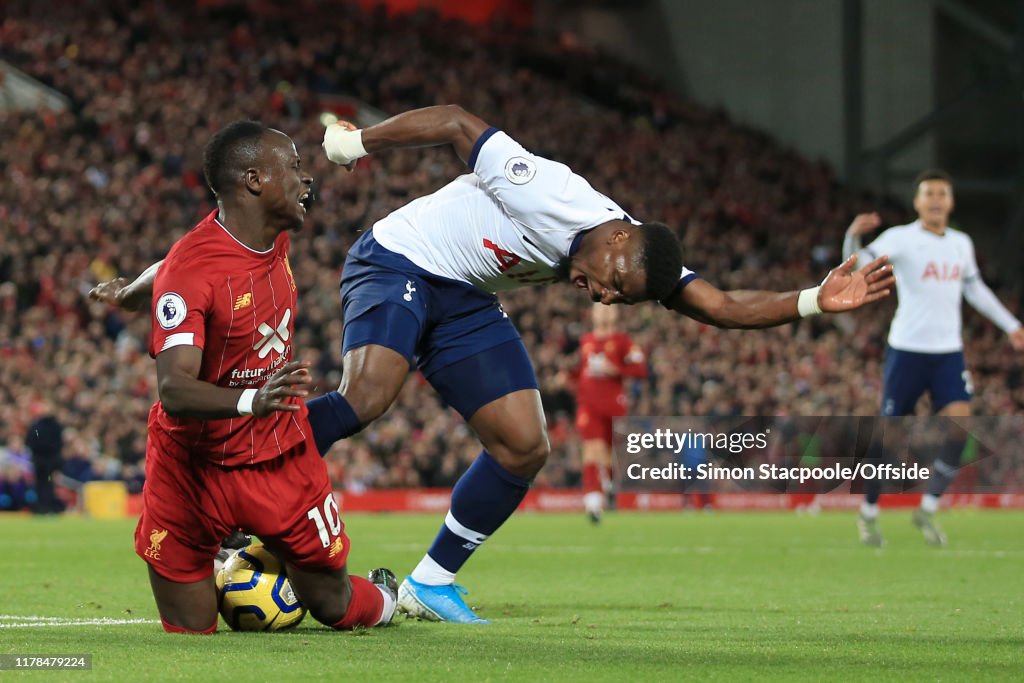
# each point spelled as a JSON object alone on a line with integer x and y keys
{"x": 330, "y": 518}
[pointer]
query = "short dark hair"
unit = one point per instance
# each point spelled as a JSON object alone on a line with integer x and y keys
{"x": 662, "y": 259}
{"x": 232, "y": 150}
{"x": 932, "y": 174}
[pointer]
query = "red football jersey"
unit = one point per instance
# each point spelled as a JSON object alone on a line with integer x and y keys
{"x": 238, "y": 306}
{"x": 605, "y": 361}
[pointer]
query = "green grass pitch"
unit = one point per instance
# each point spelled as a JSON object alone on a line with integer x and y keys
{"x": 656, "y": 596}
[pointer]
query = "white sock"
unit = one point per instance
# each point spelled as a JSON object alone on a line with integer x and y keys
{"x": 593, "y": 502}
{"x": 389, "y": 607}
{"x": 869, "y": 510}
{"x": 431, "y": 573}
{"x": 930, "y": 503}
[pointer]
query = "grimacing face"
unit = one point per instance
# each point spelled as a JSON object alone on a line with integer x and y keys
{"x": 288, "y": 186}
{"x": 613, "y": 272}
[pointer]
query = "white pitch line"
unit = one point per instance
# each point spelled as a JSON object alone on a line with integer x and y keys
{"x": 60, "y": 622}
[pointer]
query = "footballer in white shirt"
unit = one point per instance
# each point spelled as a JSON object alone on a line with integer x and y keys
{"x": 418, "y": 291}
{"x": 936, "y": 270}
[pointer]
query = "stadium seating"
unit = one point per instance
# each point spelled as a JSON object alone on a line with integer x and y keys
{"x": 105, "y": 187}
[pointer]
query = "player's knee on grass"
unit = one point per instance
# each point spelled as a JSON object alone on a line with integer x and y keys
{"x": 326, "y": 595}
{"x": 185, "y": 607}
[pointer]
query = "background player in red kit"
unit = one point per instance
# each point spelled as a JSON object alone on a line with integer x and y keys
{"x": 230, "y": 444}
{"x": 607, "y": 358}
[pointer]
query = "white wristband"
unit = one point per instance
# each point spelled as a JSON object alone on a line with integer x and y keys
{"x": 807, "y": 302}
{"x": 343, "y": 146}
{"x": 245, "y": 402}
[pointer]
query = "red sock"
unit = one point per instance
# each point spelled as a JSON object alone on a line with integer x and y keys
{"x": 591, "y": 477}
{"x": 365, "y": 608}
{"x": 171, "y": 628}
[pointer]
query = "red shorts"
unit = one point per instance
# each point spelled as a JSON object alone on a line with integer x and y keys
{"x": 190, "y": 505}
{"x": 594, "y": 423}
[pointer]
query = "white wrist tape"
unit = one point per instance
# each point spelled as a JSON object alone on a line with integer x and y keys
{"x": 807, "y": 302}
{"x": 343, "y": 146}
{"x": 245, "y": 402}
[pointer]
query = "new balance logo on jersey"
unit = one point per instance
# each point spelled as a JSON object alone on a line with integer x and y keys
{"x": 409, "y": 289}
{"x": 273, "y": 339}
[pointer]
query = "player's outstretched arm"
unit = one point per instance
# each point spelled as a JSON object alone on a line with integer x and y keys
{"x": 843, "y": 289}
{"x": 183, "y": 394}
{"x": 984, "y": 301}
{"x": 426, "y": 127}
{"x": 135, "y": 295}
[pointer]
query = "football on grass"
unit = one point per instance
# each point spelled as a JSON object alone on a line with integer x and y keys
{"x": 254, "y": 594}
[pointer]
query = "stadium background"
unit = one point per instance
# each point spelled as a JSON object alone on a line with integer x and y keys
{"x": 757, "y": 134}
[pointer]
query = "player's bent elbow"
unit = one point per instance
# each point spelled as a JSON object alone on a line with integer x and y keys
{"x": 172, "y": 398}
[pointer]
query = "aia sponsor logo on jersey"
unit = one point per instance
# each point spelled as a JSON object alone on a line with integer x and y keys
{"x": 941, "y": 272}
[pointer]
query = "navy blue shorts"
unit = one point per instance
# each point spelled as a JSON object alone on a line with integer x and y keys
{"x": 456, "y": 334}
{"x": 909, "y": 374}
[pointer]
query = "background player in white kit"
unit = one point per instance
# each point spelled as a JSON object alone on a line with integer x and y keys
{"x": 935, "y": 270}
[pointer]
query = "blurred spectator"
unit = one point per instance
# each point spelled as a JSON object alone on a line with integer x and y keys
{"x": 45, "y": 441}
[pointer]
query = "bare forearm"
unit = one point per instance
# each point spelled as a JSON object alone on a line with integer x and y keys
{"x": 427, "y": 127}
{"x": 184, "y": 396}
{"x": 139, "y": 294}
{"x": 752, "y": 309}
{"x": 740, "y": 309}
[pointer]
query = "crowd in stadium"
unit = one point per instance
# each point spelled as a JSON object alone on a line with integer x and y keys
{"x": 105, "y": 188}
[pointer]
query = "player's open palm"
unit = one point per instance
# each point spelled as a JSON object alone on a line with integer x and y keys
{"x": 845, "y": 288}
{"x": 291, "y": 381}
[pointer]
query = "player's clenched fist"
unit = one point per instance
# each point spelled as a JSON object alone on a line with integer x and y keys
{"x": 288, "y": 382}
{"x": 116, "y": 293}
{"x": 864, "y": 223}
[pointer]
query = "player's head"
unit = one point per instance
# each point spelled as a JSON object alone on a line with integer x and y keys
{"x": 621, "y": 263}
{"x": 246, "y": 161}
{"x": 604, "y": 318}
{"x": 933, "y": 197}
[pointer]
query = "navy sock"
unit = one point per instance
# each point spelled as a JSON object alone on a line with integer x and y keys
{"x": 869, "y": 447}
{"x": 945, "y": 467}
{"x": 483, "y": 498}
{"x": 331, "y": 418}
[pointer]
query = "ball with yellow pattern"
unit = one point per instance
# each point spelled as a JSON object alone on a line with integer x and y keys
{"x": 254, "y": 594}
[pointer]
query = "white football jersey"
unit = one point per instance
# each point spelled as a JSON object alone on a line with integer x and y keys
{"x": 504, "y": 226}
{"x": 930, "y": 273}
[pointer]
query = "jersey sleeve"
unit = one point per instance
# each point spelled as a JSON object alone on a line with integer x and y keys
{"x": 685, "y": 277}
{"x": 886, "y": 244}
{"x": 181, "y": 304}
{"x": 543, "y": 196}
{"x": 971, "y": 271}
